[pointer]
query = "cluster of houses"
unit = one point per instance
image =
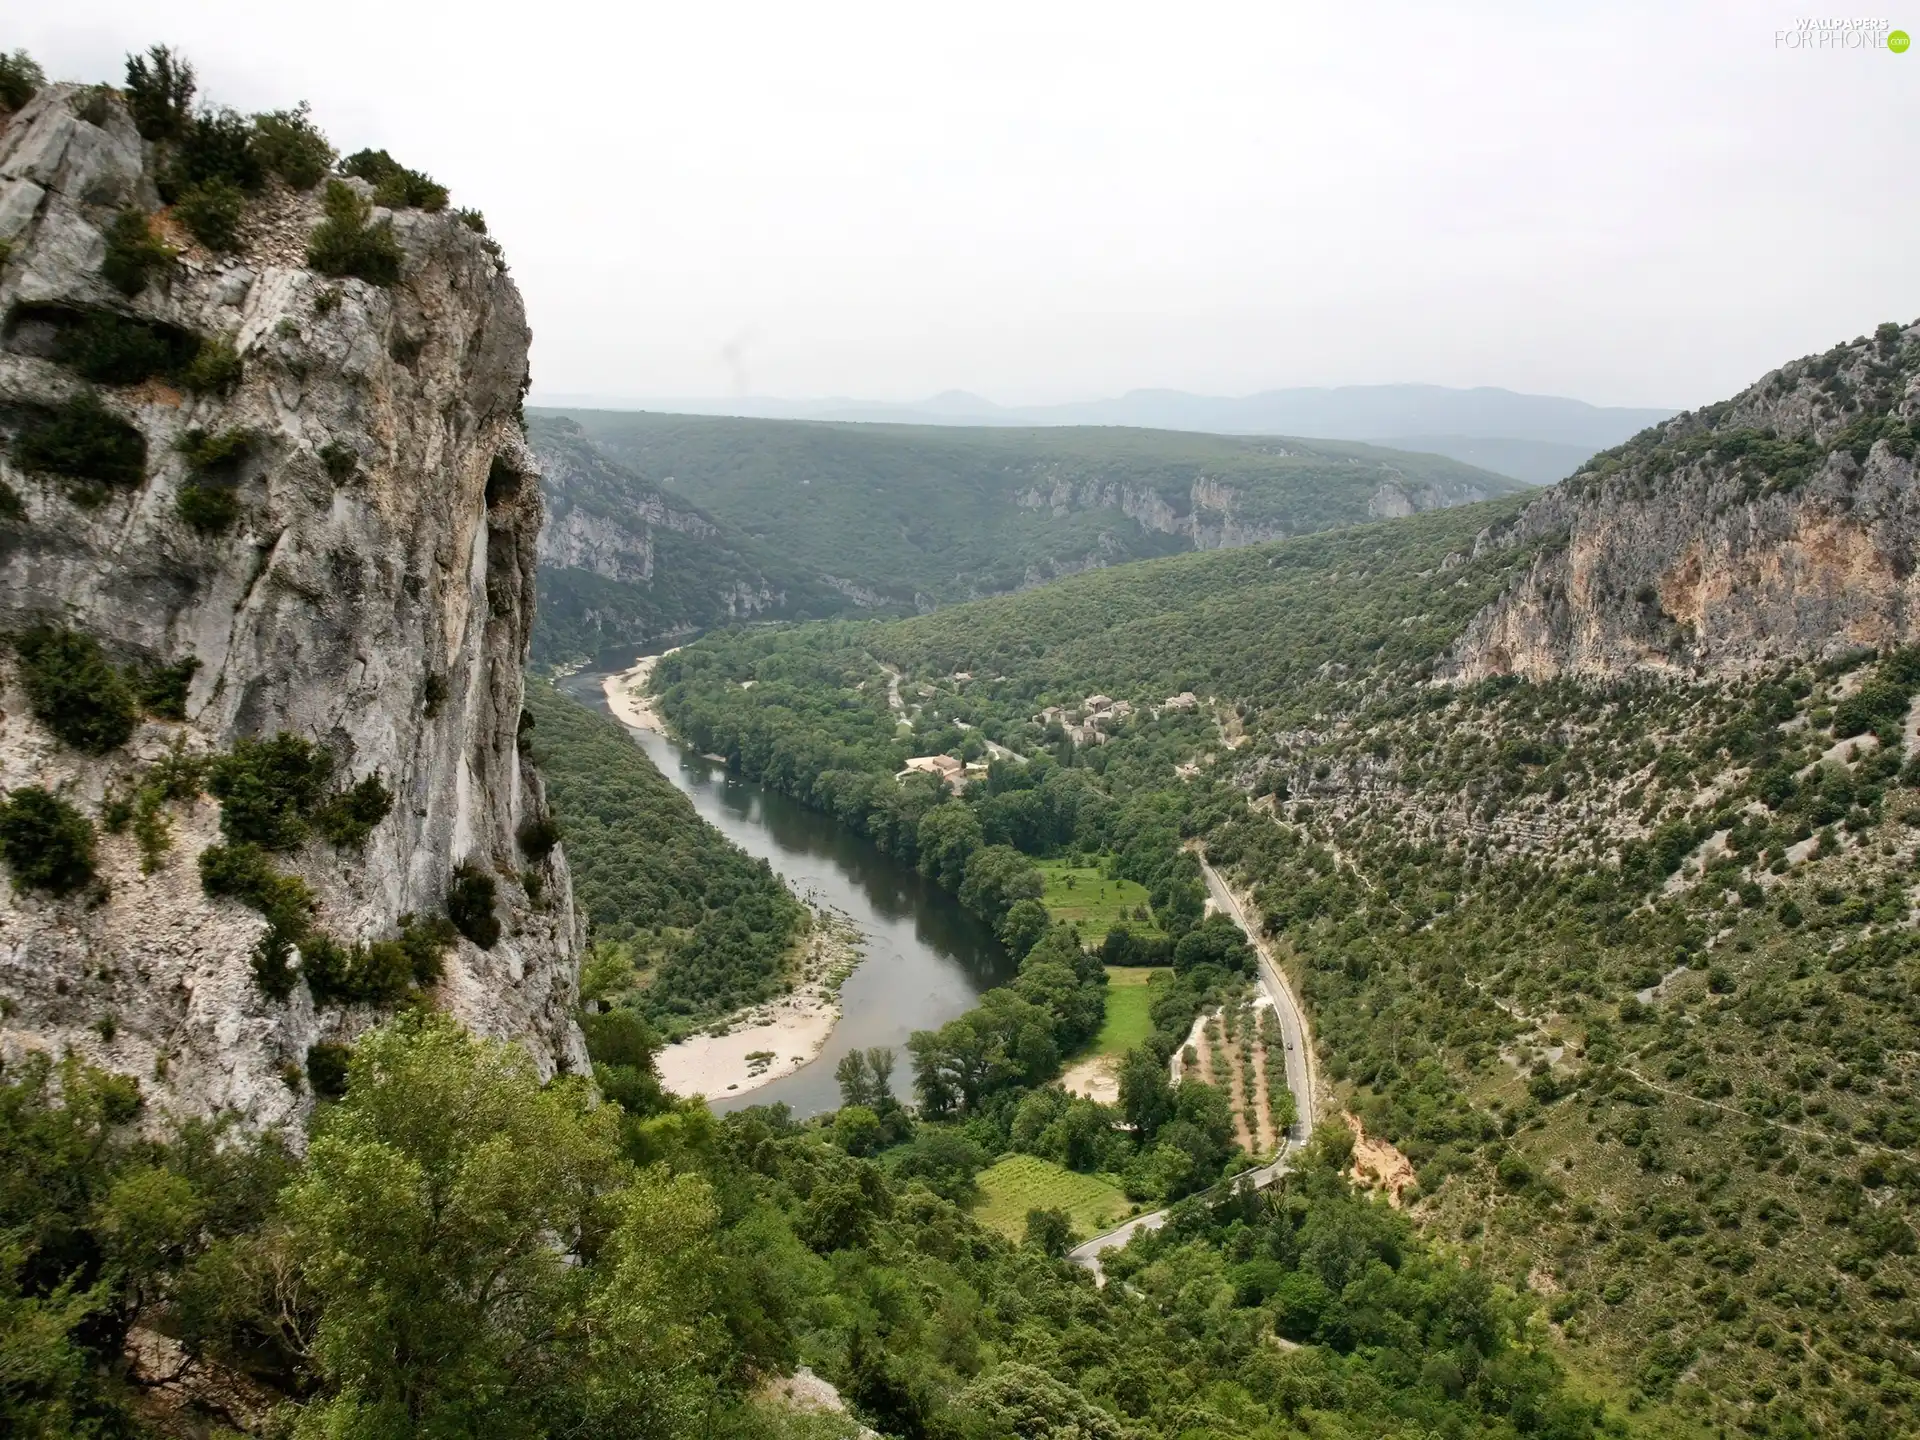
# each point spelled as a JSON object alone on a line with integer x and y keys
{"x": 1094, "y": 718}
{"x": 1088, "y": 723}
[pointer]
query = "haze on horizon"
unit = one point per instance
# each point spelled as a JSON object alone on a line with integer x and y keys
{"x": 1632, "y": 204}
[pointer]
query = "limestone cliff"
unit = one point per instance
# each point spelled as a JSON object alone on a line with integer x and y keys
{"x": 373, "y": 594}
{"x": 1782, "y": 522}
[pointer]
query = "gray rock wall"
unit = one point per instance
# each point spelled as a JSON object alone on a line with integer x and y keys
{"x": 385, "y": 617}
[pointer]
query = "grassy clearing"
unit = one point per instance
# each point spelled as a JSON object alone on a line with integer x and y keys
{"x": 1080, "y": 894}
{"x": 1129, "y": 996}
{"x": 1019, "y": 1183}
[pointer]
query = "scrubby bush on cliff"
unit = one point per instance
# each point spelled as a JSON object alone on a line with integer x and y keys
{"x": 217, "y": 147}
{"x": 242, "y": 872}
{"x": 160, "y": 94}
{"x": 347, "y": 818}
{"x": 20, "y": 79}
{"x": 47, "y": 843}
{"x": 538, "y": 836}
{"x": 212, "y": 212}
{"x": 74, "y": 690}
{"x": 115, "y": 349}
{"x": 269, "y": 789}
{"x": 83, "y": 440}
{"x": 162, "y": 689}
{"x": 470, "y": 900}
{"x": 289, "y": 144}
{"x": 394, "y": 185}
{"x": 346, "y": 244}
{"x": 134, "y": 252}
{"x": 216, "y": 367}
{"x": 207, "y": 509}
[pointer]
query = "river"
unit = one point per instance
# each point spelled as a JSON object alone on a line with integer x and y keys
{"x": 927, "y": 960}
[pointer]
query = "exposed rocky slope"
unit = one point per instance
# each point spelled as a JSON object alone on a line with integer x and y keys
{"x": 373, "y": 593}
{"x": 624, "y": 562}
{"x": 1783, "y": 522}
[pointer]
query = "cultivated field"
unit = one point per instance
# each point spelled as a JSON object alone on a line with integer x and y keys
{"x": 1080, "y": 894}
{"x": 1019, "y": 1183}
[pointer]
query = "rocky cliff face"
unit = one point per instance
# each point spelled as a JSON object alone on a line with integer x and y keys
{"x": 373, "y": 594}
{"x": 600, "y": 552}
{"x": 1782, "y": 522}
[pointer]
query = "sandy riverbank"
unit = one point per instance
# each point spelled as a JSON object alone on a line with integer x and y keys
{"x": 768, "y": 1042}
{"x": 627, "y": 694}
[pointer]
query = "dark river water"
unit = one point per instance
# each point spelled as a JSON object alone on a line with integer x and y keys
{"x": 927, "y": 960}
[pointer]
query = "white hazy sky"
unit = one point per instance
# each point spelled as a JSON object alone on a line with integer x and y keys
{"x": 1630, "y": 203}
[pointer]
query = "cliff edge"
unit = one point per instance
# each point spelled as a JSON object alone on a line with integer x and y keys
{"x": 292, "y": 513}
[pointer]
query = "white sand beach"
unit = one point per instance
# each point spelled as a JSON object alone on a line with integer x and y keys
{"x": 770, "y": 1041}
{"x": 627, "y": 697}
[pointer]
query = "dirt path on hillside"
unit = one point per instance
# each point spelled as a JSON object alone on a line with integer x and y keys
{"x": 1377, "y": 1165}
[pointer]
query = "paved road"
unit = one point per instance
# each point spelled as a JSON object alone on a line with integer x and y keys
{"x": 1302, "y": 1079}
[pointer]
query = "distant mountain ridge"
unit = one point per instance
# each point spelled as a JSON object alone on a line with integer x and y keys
{"x": 1535, "y": 438}
{"x": 664, "y": 524}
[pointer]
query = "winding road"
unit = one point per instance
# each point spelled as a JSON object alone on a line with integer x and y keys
{"x": 1303, "y": 1077}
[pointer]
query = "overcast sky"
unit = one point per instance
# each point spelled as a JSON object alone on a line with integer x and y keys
{"x": 1048, "y": 201}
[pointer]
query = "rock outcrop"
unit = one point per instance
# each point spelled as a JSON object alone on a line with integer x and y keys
{"x": 1784, "y": 522}
{"x": 373, "y": 594}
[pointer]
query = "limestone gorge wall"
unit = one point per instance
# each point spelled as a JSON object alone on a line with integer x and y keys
{"x": 374, "y": 595}
{"x": 1782, "y": 522}
{"x": 1216, "y": 514}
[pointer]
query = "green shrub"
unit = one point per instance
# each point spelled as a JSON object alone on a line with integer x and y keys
{"x": 159, "y": 94}
{"x": 394, "y": 185}
{"x": 374, "y": 973}
{"x": 345, "y": 244}
{"x": 207, "y": 509}
{"x": 175, "y": 778}
{"x": 115, "y": 349}
{"x": 290, "y": 145}
{"x": 473, "y": 220}
{"x": 74, "y": 690}
{"x": 216, "y": 368}
{"x": 83, "y": 440}
{"x": 211, "y": 211}
{"x": 134, "y": 252}
{"x": 20, "y": 79}
{"x": 269, "y": 789}
{"x": 214, "y": 454}
{"x": 470, "y": 901}
{"x": 538, "y": 836}
{"x": 47, "y": 843}
{"x": 341, "y": 461}
{"x": 216, "y": 149}
{"x": 95, "y": 105}
{"x": 162, "y": 689}
{"x": 243, "y": 872}
{"x": 327, "y": 1068}
{"x": 348, "y": 817}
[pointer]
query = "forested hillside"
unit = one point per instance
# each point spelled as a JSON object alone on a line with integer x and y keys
{"x": 710, "y": 928}
{"x": 1621, "y": 957}
{"x": 623, "y": 562}
{"x": 910, "y": 517}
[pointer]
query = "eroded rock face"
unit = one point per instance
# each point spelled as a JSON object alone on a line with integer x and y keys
{"x": 1782, "y": 522}
{"x": 379, "y": 606}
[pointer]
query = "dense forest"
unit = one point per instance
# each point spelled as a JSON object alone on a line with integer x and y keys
{"x": 711, "y": 927}
{"x": 909, "y": 517}
{"x": 1624, "y": 969}
{"x": 550, "y": 1264}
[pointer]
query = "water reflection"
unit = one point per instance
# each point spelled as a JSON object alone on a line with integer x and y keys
{"x": 927, "y": 959}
